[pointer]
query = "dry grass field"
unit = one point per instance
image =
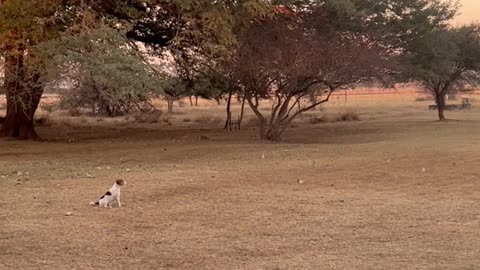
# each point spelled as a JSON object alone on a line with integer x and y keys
{"x": 395, "y": 190}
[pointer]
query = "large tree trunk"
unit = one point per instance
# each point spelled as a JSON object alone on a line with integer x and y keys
{"x": 274, "y": 132}
{"x": 18, "y": 122}
{"x": 281, "y": 115}
{"x": 23, "y": 94}
{"x": 440, "y": 99}
{"x": 271, "y": 129}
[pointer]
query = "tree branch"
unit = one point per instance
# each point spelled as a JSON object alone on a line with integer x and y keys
{"x": 311, "y": 106}
{"x": 254, "y": 107}
{"x": 299, "y": 97}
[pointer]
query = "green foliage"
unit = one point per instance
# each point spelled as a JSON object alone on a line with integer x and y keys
{"x": 36, "y": 19}
{"x": 23, "y": 25}
{"x": 395, "y": 23}
{"x": 202, "y": 26}
{"x": 33, "y": 32}
{"x": 446, "y": 60}
{"x": 213, "y": 85}
{"x": 201, "y": 35}
{"x": 102, "y": 71}
{"x": 406, "y": 20}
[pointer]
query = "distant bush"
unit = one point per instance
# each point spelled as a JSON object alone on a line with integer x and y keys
{"x": 348, "y": 116}
{"x": 207, "y": 119}
{"x": 47, "y": 107}
{"x": 100, "y": 73}
{"x": 342, "y": 117}
{"x": 423, "y": 98}
{"x": 151, "y": 117}
{"x": 43, "y": 121}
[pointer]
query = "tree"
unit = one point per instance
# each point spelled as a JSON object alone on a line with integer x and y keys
{"x": 327, "y": 44}
{"x": 286, "y": 60}
{"x": 22, "y": 85}
{"x": 199, "y": 36}
{"x": 445, "y": 61}
{"x": 102, "y": 71}
{"x": 26, "y": 24}
{"x": 175, "y": 89}
{"x": 217, "y": 84}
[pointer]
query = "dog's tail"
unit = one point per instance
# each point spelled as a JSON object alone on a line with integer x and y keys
{"x": 93, "y": 203}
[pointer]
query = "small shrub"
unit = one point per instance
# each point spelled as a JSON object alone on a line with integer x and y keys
{"x": 74, "y": 113}
{"x": 423, "y": 98}
{"x": 342, "y": 117}
{"x": 166, "y": 120}
{"x": 317, "y": 120}
{"x": 152, "y": 117}
{"x": 42, "y": 121}
{"x": 348, "y": 116}
{"x": 71, "y": 121}
{"x": 207, "y": 119}
{"x": 204, "y": 119}
{"x": 47, "y": 107}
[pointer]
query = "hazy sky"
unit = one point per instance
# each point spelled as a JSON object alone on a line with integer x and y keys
{"x": 470, "y": 11}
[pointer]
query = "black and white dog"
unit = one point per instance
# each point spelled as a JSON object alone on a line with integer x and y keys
{"x": 112, "y": 195}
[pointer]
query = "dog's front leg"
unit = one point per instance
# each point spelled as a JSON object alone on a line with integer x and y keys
{"x": 118, "y": 200}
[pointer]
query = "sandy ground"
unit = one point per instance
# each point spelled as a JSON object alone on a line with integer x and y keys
{"x": 396, "y": 190}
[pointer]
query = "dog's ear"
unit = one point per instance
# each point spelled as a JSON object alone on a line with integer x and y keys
{"x": 121, "y": 182}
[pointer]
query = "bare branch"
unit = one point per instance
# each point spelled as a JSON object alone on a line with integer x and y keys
{"x": 312, "y": 106}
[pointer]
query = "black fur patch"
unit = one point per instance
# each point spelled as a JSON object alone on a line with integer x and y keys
{"x": 106, "y": 194}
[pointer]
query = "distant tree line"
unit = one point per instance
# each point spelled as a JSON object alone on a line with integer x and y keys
{"x": 254, "y": 50}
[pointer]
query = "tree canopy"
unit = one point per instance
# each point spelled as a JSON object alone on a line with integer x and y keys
{"x": 100, "y": 70}
{"x": 24, "y": 26}
{"x": 445, "y": 61}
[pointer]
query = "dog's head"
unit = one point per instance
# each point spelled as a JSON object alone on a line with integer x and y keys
{"x": 121, "y": 182}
